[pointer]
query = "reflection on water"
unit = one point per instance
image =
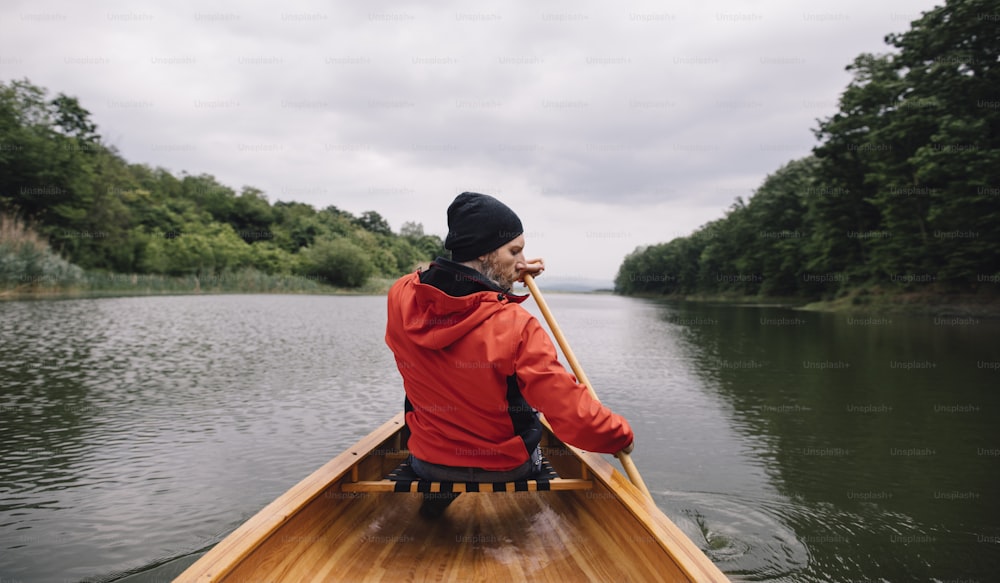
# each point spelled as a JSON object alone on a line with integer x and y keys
{"x": 135, "y": 430}
{"x": 790, "y": 446}
{"x": 874, "y": 430}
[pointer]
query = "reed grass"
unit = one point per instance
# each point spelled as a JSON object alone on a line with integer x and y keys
{"x": 241, "y": 281}
{"x": 27, "y": 261}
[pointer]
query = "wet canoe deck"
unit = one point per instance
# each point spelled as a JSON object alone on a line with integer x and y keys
{"x": 537, "y": 536}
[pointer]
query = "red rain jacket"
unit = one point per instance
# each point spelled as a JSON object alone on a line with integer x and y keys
{"x": 457, "y": 356}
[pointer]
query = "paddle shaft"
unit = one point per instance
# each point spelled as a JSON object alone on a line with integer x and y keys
{"x": 624, "y": 458}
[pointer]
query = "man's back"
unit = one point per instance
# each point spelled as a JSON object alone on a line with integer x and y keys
{"x": 456, "y": 355}
{"x": 475, "y": 366}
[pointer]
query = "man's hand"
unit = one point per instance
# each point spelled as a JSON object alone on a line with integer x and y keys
{"x": 533, "y": 266}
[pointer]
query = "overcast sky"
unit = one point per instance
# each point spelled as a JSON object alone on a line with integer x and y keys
{"x": 604, "y": 125}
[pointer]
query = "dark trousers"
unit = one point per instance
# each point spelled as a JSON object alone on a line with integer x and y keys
{"x": 439, "y": 473}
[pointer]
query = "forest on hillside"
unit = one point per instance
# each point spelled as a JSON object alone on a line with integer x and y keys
{"x": 71, "y": 205}
{"x": 901, "y": 194}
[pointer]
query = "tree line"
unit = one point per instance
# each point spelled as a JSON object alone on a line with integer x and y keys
{"x": 107, "y": 215}
{"x": 902, "y": 193}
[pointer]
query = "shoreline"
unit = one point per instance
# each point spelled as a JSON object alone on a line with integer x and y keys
{"x": 175, "y": 288}
{"x": 940, "y": 306}
{"x": 57, "y": 295}
{"x": 858, "y": 301}
{"x": 862, "y": 301}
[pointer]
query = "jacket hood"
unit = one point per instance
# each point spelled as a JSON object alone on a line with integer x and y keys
{"x": 433, "y": 319}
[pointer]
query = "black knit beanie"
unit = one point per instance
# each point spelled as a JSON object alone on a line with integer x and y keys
{"x": 478, "y": 224}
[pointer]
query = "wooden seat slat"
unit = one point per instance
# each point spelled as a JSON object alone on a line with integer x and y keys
{"x": 532, "y": 486}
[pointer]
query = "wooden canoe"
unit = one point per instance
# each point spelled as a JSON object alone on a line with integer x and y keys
{"x": 593, "y": 525}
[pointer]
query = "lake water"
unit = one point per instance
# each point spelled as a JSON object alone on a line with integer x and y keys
{"x": 135, "y": 433}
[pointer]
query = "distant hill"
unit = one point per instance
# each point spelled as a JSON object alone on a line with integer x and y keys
{"x": 574, "y": 284}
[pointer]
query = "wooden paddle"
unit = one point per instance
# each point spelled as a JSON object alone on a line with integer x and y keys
{"x": 624, "y": 458}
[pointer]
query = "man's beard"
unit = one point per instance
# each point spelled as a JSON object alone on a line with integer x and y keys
{"x": 492, "y": 272}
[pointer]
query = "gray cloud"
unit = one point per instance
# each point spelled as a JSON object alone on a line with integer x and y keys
{"x": 636, "y": 110}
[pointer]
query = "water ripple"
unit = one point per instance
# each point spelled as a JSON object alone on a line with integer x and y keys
{"x": 760, "y": 539}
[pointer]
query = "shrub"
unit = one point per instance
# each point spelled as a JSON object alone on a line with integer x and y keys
{"x": 337, "y": 262}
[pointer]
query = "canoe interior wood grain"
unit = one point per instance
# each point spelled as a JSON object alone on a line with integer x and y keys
{"x": 319, "y": 531}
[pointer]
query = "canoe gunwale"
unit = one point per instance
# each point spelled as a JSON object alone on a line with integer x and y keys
{"x": 221, "y": 559}
{"x": 671, "y": 539}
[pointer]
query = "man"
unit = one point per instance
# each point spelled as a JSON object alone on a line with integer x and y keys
{"x": 476, "y": 365}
